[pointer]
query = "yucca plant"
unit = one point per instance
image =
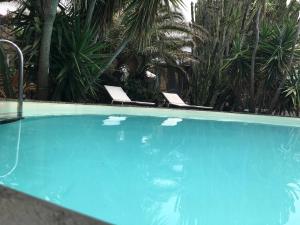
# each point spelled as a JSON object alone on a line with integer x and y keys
{"x": 236, "y": 70}
{"x": 292, "y": 91}
{"x": 76, "y": 59}
{"x": 5, "y": 77}
{"x": 277, "y": 50}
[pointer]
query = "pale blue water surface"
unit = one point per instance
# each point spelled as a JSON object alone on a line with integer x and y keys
{"x": 157, "y": 171}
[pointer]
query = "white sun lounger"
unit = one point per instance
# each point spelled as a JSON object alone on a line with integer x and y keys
{"x": 118, "y": 95}
{"x": 174, "y": 100}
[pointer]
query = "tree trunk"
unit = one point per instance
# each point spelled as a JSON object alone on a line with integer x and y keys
{"x": 49, "y": 14}
{"x": 252, "y": 78}
{"x": 286, "y": 73}
{"x": 115, "y": 55}
{"x": 111, "y": 60}
{"x": 247, "y": 20}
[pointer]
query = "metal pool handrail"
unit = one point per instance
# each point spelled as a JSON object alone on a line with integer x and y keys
{"x": 17, "y": 153}
{"x": 21, "y": 76}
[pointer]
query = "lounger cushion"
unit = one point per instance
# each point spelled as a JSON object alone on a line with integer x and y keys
{"x": 117, "y": 94}
{"x": 175, "y": 100}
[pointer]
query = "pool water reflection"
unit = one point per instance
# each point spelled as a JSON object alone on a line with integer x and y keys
{"x": 146, "y": 170}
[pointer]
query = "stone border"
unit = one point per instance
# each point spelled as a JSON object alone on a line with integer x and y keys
{"x": 18, "y": 208}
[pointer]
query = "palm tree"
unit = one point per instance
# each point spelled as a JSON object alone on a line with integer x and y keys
{"x": 48, "y": 10}
{"x": 139, "y": 17}
{"x": 169, "y": 36}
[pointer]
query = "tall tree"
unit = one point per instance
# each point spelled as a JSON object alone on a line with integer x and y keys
{"x": 48, "y": 14}
{"x": 252, "y": 75}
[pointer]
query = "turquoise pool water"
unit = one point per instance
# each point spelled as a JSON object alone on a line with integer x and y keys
{"x": 131, "y": 170}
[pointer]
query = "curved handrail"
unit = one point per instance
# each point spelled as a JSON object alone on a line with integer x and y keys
{"x": 21, "y": 76}
{"x": 17, "y": 153}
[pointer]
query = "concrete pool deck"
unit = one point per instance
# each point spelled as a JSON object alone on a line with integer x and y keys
{"x": 18, "y": 208}
{"x": 32, "y": 108}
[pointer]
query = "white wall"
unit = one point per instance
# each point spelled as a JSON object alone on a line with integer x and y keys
{"x": 8, "y": 108}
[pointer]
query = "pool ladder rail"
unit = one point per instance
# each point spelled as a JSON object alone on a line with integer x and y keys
{"x": 21, "y": 79}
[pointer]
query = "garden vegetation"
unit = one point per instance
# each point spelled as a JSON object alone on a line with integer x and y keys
{"x": 235, "y": 55}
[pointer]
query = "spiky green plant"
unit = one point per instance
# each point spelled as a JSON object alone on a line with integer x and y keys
{"x": 292, "y": 91}
{"x": 5, "y": 76}
{"x": 76, "y": 60}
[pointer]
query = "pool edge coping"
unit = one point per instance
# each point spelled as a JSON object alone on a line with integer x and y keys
{"x": 41, "y": 108}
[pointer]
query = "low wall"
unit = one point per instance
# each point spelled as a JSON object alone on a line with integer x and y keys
{"x": 8, "y": 108}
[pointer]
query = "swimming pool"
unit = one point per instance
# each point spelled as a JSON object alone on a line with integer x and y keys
{"x": 133, "y": 169}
